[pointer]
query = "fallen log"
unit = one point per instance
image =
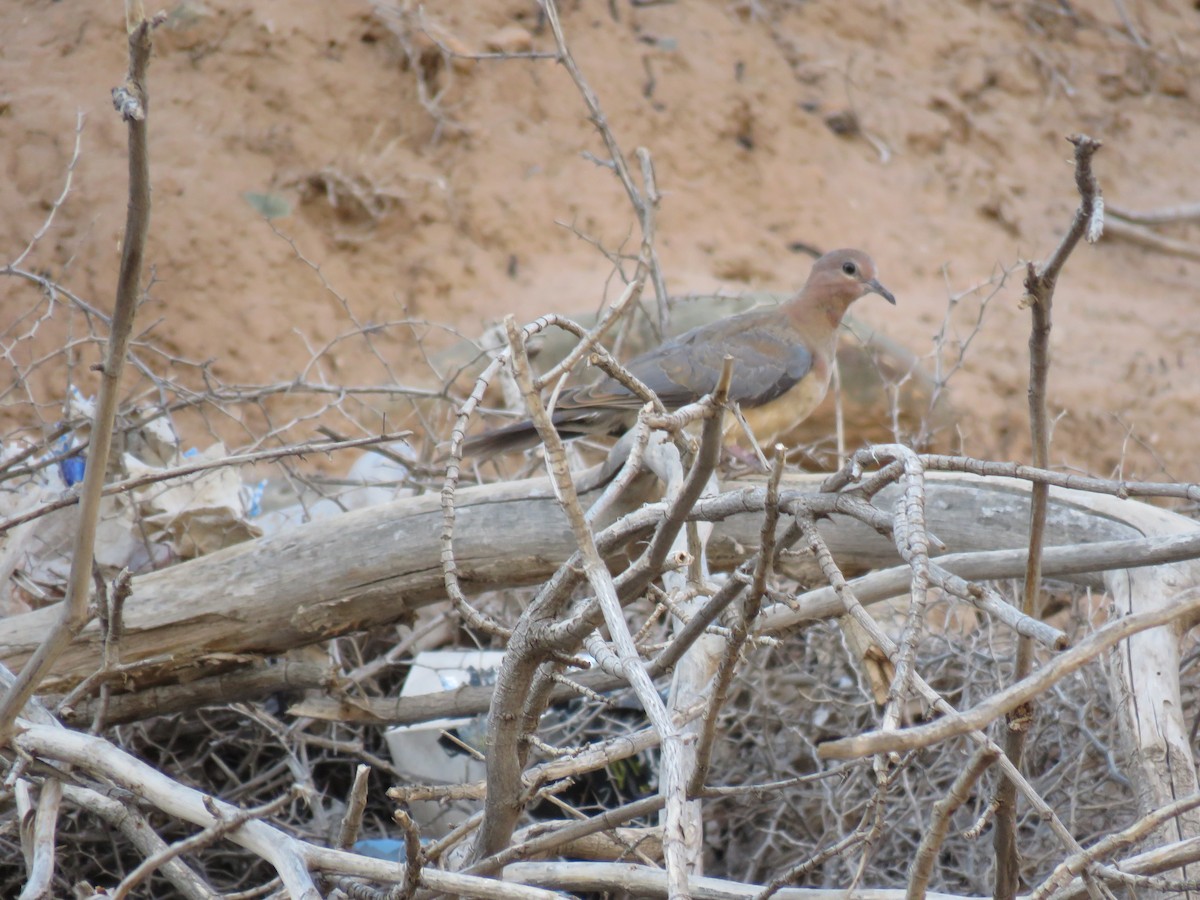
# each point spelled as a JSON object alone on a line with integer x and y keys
{"x": 378, "y": 565}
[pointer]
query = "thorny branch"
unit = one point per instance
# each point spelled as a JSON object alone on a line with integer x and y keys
{"x": 812, "y": 687}
{"x": 1039, "y": 287}
{"x": 935, "y": 836}
{"x": 751, "y": 605}
{"x": 243, "y": 459}
{"x": 133, "y": 104}
{"x": 644, "y": 204}
{"x": 1022, "y": 692}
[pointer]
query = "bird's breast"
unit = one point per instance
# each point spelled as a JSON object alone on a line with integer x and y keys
{"x": 774, "y": 419}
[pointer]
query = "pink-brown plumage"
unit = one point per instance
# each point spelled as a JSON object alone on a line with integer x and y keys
{"x": 782, "y": 355}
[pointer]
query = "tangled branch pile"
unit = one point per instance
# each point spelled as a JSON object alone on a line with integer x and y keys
{"x": 702, "y": 686}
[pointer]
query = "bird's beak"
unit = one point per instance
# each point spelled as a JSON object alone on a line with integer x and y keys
{"x": 875, "y": 287}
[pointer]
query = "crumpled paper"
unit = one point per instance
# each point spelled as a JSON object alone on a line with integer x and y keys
{"x": 194, "y": 514}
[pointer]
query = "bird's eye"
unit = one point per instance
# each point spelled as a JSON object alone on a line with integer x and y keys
{"x": 849, "y": 268}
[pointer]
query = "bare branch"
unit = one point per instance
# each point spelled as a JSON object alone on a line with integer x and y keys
{"x": 137, "y": 223}
{"x": 935, "y": 835}
{"x": 999, "y": 704}
{"x": 1039, "y": 286}
{"x": 352, "y": 819}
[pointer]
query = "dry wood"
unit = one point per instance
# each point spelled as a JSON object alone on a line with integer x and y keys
{"x": 1040, "y": 281}
{"x": 1144, "y": 237}
{"x": 40, "y": 852}
{"x": 1022, "y": 692}
{"x": 294, "y": 859}
{"x": 135, "y": 828}
{"x": 641, "y": 881}
{"x": 132, "y": 101}
{"x": 1158, "y": 859}
{"x": 285, "y": 591}
{"x": 1184, "y": 212}
{"x": 513, "y": 534}
{"x": 259, "y": 678}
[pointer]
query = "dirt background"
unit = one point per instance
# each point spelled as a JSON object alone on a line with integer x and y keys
{"x": 440, "y": 189}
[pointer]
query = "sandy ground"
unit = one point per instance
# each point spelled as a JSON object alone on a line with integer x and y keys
{"x": 456, "y": 190}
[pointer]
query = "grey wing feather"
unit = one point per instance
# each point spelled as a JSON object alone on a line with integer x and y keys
{"x": 766, "y": 365}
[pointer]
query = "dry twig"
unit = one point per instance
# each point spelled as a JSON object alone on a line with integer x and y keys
{"x": 132, "y": 102}
{"x": 1039, "y": 287}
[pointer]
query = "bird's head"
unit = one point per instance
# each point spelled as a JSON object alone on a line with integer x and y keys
{"x": 842, "y": 276}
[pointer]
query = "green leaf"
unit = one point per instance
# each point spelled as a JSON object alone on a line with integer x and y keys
{"x": 273, "y": 206}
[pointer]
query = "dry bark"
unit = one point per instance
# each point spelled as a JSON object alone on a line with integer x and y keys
{"x": 377, "y": 566}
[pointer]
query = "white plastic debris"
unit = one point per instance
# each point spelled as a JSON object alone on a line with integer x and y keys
{"x": 422, "y": 753}
{"x": 374, "y": 479}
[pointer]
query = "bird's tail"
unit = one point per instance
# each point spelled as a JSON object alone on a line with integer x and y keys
{"x": 518, "y": 436}
{"x": 571, "y": 424}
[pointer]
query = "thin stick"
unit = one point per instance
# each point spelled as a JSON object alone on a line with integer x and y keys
{"x": 849, "y": 602}
{"x": 548, "y": 843}
{"x": 225, "y": 824}
{"x": 1144, "y": 237}
{"x": 643, "y": 206}
{"x": 239, "y": 459}
{"x": 132, "y": 101}
{"x": 1117, "y": 488}
{"x": 741, "y": 631}
{"x": 819, "y": 603}
{"x": 600, "y": 580}
{"x": 293, "y": 858}
{"x": 1039, "y": 287}
{"x": 41, "y": 869}
{"x": 352, "y": 820}
{"x": 135, "y": 828}
{"x": 414, "y": 857}
{"x": 953, "y": 724}
{"x": 1185, "y": 212}
{"x": 1077, "y": 863}
{"x": 57, "y": 204}
{"x": 931, "y": 843}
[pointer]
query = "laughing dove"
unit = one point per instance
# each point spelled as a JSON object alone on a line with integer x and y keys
{"x": 782, "y": 355}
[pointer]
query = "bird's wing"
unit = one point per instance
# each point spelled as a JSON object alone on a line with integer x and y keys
{"x": 768, "y": 360}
